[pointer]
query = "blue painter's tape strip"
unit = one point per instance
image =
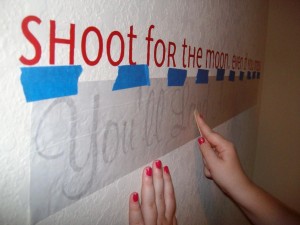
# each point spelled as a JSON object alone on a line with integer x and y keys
{"x": 176, "y": 77}
{"x": 130, "y": 76}
{"x": 231, "y": 75}
{"x": 242, "y": 75}
{"x": 220, "y": 74}
{"x": 202, "y": 76}
{"x": 47, "y": 82}
{"x": 248, "y": 75}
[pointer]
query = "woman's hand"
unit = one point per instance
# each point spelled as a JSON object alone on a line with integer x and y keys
{"x": 158, "y": 203}
{"x": 222, "y": 164}
{"x": 220, "y": 159}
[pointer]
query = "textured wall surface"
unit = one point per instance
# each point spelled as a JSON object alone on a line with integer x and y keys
{"x": 199, "y": 200}
{"x": 232, "y": 26}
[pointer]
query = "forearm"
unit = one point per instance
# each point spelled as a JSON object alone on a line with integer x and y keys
{"x": 221, "y": 163}
{"x": 261, "y": 208}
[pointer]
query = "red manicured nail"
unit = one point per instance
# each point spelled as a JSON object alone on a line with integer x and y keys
{"x": 158, "y": 164}
{"x": 201, "y": 140}
{"x": 149, "y": 171}
{"x": 166, "y": 169}
{"x": 201, "y": 116}
{"x": 135, "y": 197}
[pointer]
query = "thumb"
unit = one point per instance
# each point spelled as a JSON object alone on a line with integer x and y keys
{"x": 213, "y": 138}
{"x": 207, "y": 152}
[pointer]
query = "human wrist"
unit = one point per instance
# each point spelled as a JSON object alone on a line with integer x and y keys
{"x": 241, "y": 188}
{"x": 243, "y": 194}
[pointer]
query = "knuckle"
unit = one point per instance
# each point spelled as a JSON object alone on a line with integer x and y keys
{"x": 134, "y": 208}
{"x": 161, "y": 197}
{"x": 152, "y": 206}
{"x": 170, "y": 195}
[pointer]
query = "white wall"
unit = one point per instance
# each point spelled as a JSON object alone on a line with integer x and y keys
{"x": 277, "y": 167}
{"x": 233, "y": 26}
{"x": 199, "y": 200}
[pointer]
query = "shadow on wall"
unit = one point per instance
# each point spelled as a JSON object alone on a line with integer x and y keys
{"x": 210, "y": 196}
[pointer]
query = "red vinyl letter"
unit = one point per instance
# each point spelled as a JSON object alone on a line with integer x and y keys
{"x": 32, "y": 39}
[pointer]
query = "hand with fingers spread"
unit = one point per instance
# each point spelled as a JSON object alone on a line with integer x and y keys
{"x": 158, "y": 203}
{"x": 222, "y": 164}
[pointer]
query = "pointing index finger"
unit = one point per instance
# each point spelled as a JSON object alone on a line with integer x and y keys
{"x": 196, "y": 115}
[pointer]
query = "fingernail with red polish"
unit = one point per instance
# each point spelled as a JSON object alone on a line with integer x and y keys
{"x": 158, "y": 164}
{"x": 135, "y": 197}
{"x": 201, "y": 116}
{"x": 201, "y": 140}
{"x": 166, "y": 169}
{"x": 149, "y": 171}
